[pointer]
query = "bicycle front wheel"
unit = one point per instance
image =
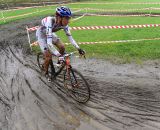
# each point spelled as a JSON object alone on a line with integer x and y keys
{"x": 77, "y": 85}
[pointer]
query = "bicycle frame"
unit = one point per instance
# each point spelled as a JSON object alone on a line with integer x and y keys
{"x": 72, "y": 79}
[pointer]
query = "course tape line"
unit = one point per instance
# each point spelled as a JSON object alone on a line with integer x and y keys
{"x": 101, "y": 42}
{"x": 115, "y": 27}
{"x": 23, "y": 14}
{"x": 86, "y": 9}
{"x": 122, "y": 10}
{"x": 122, "y": 15}
{"x": 105, "y": 27}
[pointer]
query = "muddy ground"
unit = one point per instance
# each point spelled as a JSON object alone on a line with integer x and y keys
{"x": 123, "y": 96}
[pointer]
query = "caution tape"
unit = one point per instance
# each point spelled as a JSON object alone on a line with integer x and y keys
{"x": 105, "y": 27}
{"x": 103, "y": 42}
{"x": 115, "y": 27}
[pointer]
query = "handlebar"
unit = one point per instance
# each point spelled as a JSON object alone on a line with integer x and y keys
{"x": 70, "y": 54}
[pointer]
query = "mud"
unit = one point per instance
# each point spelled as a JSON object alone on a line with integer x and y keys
{"x": 123, "y": 96}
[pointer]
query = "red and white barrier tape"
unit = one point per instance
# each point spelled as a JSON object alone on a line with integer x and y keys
{"x": 105, "y": 27}
{"x": 115, "y": 27}
{"x": 101, "y": 42}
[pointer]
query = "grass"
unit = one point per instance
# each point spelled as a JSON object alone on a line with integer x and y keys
{"x": 113, "y": 34}
{"x": 96, "y": 20}
{"x": 33, "y": 12}
{"x": 112, "y": 6}
{"x": 121, "y": 52}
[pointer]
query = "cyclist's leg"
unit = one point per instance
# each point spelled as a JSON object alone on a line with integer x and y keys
{"x": 48, "y": 59}
{"x": 44, "y": 48}
{"x": 58, "y": 43}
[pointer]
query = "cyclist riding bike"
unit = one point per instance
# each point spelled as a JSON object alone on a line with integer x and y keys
{"x": 46, "y": 35}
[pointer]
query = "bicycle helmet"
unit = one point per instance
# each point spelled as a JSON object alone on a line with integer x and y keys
{"x": 64, "y": 11}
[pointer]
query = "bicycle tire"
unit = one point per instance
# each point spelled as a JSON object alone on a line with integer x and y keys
{"x": 75, "y": 91}
{"x": 39, "y": 56}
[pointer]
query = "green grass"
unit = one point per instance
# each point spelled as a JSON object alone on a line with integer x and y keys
{"x": 121, "y": 52}
{"x": 96, "y": 20}
{"x": 36, "y": 12}
{"x": 111, "y": 6}
{"x": 127, "y": 52}
{"x": 114, "y": 34}
{"x": 31, "y": 12}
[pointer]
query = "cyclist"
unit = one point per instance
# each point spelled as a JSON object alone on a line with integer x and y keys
{"x": 46, "y": 35}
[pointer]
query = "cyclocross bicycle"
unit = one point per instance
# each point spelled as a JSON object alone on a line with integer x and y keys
{"x": 73, "y": 80}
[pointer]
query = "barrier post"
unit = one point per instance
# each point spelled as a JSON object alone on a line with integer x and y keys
{"x": 150, "y": 13}
{"x": 28, "y": 36}
{"x": 44, "y": 4}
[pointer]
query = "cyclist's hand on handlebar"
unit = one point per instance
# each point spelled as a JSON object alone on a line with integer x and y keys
{"x": 81, "y": 52}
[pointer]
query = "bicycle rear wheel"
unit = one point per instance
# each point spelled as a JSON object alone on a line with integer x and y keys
{"x": 77, "y": 85}
{"x": 40, "y": 60}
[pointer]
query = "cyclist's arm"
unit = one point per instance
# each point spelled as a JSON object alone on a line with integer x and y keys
{"x": 50, "y": 36}
{"x": 72, "y": 41}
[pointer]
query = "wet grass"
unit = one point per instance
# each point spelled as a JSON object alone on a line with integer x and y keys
{"x": 120, "y": 52}
{"x": 48, "y": 10}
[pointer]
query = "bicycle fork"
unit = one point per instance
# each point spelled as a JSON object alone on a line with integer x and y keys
{"x": 68, "y": 71}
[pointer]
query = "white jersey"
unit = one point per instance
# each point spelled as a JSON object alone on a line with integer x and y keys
{"x": 50, "y": 26}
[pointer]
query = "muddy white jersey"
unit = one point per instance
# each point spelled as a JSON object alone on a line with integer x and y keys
{"x": 49, "y": 26}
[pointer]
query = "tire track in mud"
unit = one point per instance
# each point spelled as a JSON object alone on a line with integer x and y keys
{"x": 113, "y": 95}
{"x": 15, "y": 91}
{"x": 145, "y": 110}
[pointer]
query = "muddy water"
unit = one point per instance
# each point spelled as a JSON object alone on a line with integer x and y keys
{"x": 123, "y": 97}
